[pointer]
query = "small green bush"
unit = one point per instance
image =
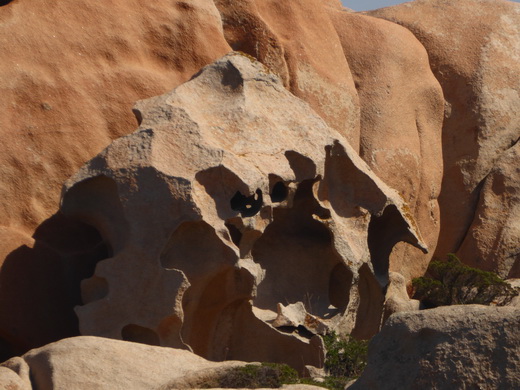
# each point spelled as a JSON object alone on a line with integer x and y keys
{"x": 451, "y": 283}
{"x": 346, "y": 357}
{"x": 269, "y": 375}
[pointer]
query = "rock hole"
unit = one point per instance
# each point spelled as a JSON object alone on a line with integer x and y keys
{"x": 279, "y": 192}
{"x": 5, "y": 2}
{"x": 140, "y": 334}
{"x": 339, "y": 286}
{"x": 236, "y": 235}
{"x": 383, "y": 233}
{"x": 247, "y": 205}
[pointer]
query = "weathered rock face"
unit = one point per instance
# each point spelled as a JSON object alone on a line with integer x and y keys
{"x": 473, "y": 47}
{"x": 493, "y": 239}
{"x": 86, "y": 363}
{"x": 313, "y": 67}
{"x": 68, "y": 84}
{"x": 452, "y": 347}
{"x": 401, "y": 120}
{"x": 232, "y": 199}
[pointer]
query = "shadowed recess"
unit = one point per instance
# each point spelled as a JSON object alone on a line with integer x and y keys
{"x": 298, "y": 255}
{"x": 371, "y": 303}
{"x": 96, "y": 202}
{"x": 222, "y": 185}
{"x": 383, "y": 233}
{"x": 41, "y": 284}
{"x": 279, "y": 192}
{"x": 140, "y": 334}
{"x": 303, "y": 167}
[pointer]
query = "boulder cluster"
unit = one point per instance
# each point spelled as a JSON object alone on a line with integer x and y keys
{"x": 240, "y": 177}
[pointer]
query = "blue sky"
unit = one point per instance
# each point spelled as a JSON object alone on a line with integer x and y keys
{"x": 365, "y": 5}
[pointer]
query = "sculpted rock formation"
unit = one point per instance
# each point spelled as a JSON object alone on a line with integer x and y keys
{"x": 451, "y": 347}
{"x": 474, "y": 48}
{"x": 68, "y": 85}
{"x": 67, "y": 89}
{"x": 86, "y": 363}
{"x": 232, "y": 198}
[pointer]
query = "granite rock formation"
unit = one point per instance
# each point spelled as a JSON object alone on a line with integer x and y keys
{"x": 451, "y": 347}
{"x": 474, "y": 47}
{"x": 232, "y": 199}
{"x": 68, "y": 85}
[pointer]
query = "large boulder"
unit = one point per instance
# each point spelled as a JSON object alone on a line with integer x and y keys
{"x": 85, "y": 363}
{"x": 451, "y": 347}
{"x": 231, "y": 200}
{"x": 473, "y": 47}
{"x": 401, "y": 107}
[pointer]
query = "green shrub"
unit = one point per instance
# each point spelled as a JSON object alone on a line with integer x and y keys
{"x": 346, "y": 357}
{"x": 269, "y": 375}
{"x": 451, "y": 282}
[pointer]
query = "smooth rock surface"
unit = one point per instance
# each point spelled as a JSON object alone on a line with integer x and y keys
{"x": 451, "y": 347}
{"x": 86, "y": 363}
{"x": 473, "y": 47}
{"x": 401, "y": 105}
{"x": 313, "y": 66}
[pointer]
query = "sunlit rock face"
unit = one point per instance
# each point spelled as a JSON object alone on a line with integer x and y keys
{"x": 230, "y": 204}
{"x": 473, "y": 47}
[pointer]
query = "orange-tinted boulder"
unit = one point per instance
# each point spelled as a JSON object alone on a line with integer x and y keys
{"x": 473, "y": 47}
{"x": 401, "y": 119}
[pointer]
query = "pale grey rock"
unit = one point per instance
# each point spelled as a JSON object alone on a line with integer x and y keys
{"x": 86, "y": 363}
{"x": 451, "y": 347}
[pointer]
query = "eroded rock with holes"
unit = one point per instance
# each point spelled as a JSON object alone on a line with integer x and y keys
{"x": 231, "y": 199}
